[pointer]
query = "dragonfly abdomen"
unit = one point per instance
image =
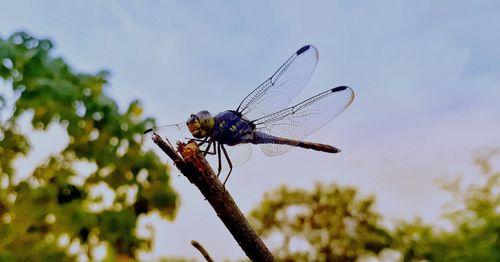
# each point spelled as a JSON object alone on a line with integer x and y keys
{"x": 261, "y": 138}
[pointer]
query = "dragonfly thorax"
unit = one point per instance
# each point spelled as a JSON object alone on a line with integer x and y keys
{"x": 201, "y": 124}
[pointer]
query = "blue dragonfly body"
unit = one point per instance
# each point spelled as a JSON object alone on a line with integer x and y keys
{"x": 265, "y": 118}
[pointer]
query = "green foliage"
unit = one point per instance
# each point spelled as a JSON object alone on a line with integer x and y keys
{"x": 331, "y": 223}
{"x": 476, "y": 224}
{"x": 38, "y": 214}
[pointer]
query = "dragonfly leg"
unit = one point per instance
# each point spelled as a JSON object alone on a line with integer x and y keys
{"x": 200, "y": 141}
{"x": 219, "y": 168}
{"x": 229, "y": 163}
{"x": 206, "y": 151}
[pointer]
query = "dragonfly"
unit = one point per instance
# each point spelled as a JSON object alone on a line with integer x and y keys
{"x": 265, "y": 118}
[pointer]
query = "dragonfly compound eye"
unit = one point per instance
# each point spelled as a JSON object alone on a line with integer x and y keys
{"x": 206, "y": 120}
{"x": 201, "y": 124}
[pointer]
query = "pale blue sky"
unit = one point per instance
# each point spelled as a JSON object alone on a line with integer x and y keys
{"x": 426, "y": 76}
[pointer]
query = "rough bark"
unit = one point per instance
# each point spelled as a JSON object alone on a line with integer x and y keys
{"x": 194, "y": 166}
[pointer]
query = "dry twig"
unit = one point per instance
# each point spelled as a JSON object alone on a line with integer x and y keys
{"x": 194, "y": 166}
{"x": 202, "y": 250}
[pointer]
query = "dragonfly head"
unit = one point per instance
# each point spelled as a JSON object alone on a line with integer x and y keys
{"x": 201, "y": 125}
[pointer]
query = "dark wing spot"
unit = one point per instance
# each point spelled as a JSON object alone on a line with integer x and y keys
{"x": 339, "y": 88}
{"x": 303, "y": 49}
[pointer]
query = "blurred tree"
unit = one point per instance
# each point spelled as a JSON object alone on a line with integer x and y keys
{"x": 475, "y": 218}
{"x": 56, "y": 213}
{"x": 330, "y": 223}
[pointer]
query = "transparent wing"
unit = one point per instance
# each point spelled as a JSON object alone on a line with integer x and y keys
{"x": 173, "y": 133}
{"x": 282, "y": 87}
{"x": 304, "y": 118}
{"x": 239, "y": 154}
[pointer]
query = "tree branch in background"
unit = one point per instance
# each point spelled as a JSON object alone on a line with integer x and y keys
{"x": 202, "y": 250}
{"x": 194, "y": 166}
